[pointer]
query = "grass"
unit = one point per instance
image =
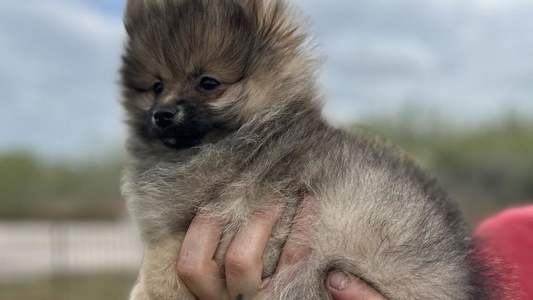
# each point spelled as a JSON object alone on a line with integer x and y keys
{"x": 33, "y": 189}
{"x": 485, "y": 168}
{"x": 101, "y": 287}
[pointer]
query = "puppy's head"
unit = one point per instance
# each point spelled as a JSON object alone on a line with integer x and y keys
{"x": 195, "y": 67}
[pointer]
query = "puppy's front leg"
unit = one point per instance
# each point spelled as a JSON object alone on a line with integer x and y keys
{"x": 159, "y": 279}
{"x": 138, "y": 292}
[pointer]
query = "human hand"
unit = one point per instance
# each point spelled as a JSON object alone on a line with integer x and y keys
{"x": 344, "y": 286}
{"x": 243, "y": 264}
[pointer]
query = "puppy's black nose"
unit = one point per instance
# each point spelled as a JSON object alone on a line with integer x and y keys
{"x": 163, "y": 117}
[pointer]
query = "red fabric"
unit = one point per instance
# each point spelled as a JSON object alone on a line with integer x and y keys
{"x": 509, "y": 235}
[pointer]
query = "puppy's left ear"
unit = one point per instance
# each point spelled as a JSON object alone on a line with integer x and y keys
{"x": 278, "y": 21}
{"x": 135, "y": 10}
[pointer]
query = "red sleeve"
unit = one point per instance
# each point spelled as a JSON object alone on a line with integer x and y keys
{"x": 509, "y": 236}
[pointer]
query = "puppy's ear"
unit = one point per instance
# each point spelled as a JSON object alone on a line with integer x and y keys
{"x": 135, "y": 10}
{"x": 277, "y": 20}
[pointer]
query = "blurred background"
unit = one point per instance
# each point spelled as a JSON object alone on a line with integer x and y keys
{"x": 451, "y": 81}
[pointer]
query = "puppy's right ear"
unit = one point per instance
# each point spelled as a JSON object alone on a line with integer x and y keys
{"x": 135, "y": 10}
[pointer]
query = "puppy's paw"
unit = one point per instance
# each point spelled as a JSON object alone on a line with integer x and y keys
{"x": 159, "y": 277}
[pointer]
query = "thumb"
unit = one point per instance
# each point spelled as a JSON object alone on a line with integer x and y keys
{"x": 344, "y": 286}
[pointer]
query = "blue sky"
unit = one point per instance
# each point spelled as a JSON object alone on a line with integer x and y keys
{"x": 469, "y": 60}
{"x": 111, "y": 7}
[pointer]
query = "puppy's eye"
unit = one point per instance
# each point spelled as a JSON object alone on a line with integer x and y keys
{"x": 158, "y": 88}
{"x": 208, "y": 84}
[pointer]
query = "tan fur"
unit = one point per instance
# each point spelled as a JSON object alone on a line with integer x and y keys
{"x": 265, "y": 144}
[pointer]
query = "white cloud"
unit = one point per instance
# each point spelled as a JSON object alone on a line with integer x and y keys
{"x": 58, "y": 75}
{"x": 471, "y": 60}
{"x": 450, "y": 55}
{"x": 376, "y": 57}
{"x": 497, "y": 6}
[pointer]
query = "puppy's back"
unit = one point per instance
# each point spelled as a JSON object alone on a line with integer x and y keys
{"x": 378, "y": 215}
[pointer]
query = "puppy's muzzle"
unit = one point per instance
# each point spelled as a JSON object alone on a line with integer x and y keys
{"x": 180, "y": 124}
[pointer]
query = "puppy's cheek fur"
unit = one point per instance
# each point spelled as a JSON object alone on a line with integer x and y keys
{"x": 145, "y": 102}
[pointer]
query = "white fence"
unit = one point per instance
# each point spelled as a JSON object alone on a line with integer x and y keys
{"x": 44, "y": 249}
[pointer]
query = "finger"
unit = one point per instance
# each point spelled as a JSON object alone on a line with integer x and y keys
{"x": 297, "y": 247}
{"x": 348, "y": 287}
{"x": 243, "y": 261}
{"x": 196, "y": 266}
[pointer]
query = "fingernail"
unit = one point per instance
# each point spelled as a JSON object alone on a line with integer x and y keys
{"x": 338, "y": 281}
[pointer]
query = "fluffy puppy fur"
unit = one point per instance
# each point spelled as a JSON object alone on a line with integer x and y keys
{"x": 245, "y": 133}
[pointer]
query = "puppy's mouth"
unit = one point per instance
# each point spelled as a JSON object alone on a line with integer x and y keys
{"x": 180, "y": 141}
{"x": 181, "y": 125}
{"x": 185, "y": 134}
{"x": 180, "y": 136}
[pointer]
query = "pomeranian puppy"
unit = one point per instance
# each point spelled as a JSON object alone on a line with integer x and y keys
{"x": 225, "y": 117}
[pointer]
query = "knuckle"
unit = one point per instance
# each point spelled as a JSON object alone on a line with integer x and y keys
{"x": 189, "y": 269}
{"x": 264, "y": 218}
{"x": 293, "y": 256}
{"x": 238, "y": 263}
